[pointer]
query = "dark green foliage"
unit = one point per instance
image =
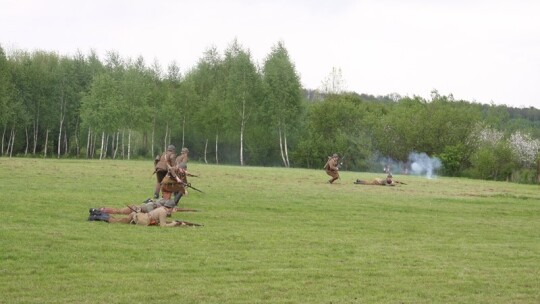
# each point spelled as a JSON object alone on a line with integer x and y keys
{"x": 493, "y": 162}
{"x": 455, "y": 159}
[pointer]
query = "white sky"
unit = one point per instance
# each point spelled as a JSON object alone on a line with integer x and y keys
{"x": 481, "y": 51}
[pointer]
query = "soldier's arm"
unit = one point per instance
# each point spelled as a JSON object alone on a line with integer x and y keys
{"x": 163, "y": 220}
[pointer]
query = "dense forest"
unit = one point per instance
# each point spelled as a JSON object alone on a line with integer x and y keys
{"x": 229, "y": 109}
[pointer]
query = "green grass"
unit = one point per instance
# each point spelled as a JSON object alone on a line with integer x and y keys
{"x": 270, "y": 235}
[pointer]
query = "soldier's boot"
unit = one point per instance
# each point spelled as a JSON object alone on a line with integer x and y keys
{"x": 98, "y": 216}
{"x": 177, "y": 198}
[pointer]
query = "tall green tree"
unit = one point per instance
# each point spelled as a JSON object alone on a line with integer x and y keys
{"x": 100, "y": 109}
{"x": 243, "y": 89}
{"x": 208, "y": 77}
{"x": 170, "y": 105}
{"x": 133, "y": 100}
{"x": 282, "y": 95}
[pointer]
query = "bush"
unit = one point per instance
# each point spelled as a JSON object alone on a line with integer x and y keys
{"x": 524, "y": 176}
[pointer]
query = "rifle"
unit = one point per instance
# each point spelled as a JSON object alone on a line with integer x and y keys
{"x": 134, "y": 210}
{"x": 184, "y": 223}
{"x": 176, "y": 209}
{"x": 190, "y": 186}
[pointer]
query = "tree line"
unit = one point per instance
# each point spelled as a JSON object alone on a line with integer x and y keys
{"x": 229, "y": 109}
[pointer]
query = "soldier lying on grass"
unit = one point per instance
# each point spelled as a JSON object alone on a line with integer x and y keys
{"x": 156, "y": 217}
{"x": 388, "y": 181}
{"x": 147, "y": 206}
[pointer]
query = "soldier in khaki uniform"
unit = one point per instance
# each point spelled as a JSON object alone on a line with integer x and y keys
{"x": 161, "y": 163}
{"x": 388, "y": 181}
{"x": 156, "y": 217}
{"x": 145, "y": 207}
{"x": 175, "y": 182}
{"x": 332, "y": 168}
{"x": 183, "y": 157}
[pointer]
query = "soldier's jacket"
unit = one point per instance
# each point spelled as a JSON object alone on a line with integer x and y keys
{"x": 155, "y": 217}
{"x": 331, "y": 165}
{"x": 151, "y": 205}
{"x": 165, "y": 159}
{"x": 182, "y": 158}
{"x": 169, "y": 183}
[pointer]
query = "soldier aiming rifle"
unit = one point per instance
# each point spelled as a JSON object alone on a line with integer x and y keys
{"x": 388, "y": 181}
{"x": 156, "y": 217}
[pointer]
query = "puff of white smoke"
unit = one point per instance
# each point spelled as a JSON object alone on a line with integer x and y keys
{"x": 422, "y": 164}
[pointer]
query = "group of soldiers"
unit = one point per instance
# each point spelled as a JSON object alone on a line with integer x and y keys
{"x": 332, "y": 167}
{"x": 171, "y": 181}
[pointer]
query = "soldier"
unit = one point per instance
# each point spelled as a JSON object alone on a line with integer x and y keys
{"x": 156, "y": 217}
{"x": 388, "y": 181}
{"x": 161, "y": 163}
{"x": 332, "y": 168}
{"x": 147, "y": 206}
{"x": 175, "y": 182}
{"x": 183, "y": 157}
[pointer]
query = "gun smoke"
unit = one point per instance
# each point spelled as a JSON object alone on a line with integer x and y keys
{"x": 418, "y": 164}
{"x": 422, "y": 164}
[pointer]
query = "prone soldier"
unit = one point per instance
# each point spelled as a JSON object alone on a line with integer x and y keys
{"x": 388, "y": 181}
{"x": 147, "y": 206}
{"x": 156, "y": 217}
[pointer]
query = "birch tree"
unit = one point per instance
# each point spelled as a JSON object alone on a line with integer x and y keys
{"x": 243, "y": 85}
{"x": 283, "y": 95}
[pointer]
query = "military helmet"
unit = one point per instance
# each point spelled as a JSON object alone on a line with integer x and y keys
{"x": 171, "y": 148}
{"x": 335, "y": 155}
{"x": 185, "y": 150}
{"x": 169, "y": 204}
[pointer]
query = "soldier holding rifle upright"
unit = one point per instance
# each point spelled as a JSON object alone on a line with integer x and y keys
{"x": 161, "y": 164}
{"x": 332, "y": 168}
{"x": 183, "y": 157}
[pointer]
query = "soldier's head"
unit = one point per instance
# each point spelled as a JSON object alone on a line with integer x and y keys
{"x": 171, "y": 148}
{"x": 335, "y": 155}
{"x": 389, "y": 179}
{"x": 185, "y": 150}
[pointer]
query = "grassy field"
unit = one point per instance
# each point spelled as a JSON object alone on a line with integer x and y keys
{"x": 270, "y": 235}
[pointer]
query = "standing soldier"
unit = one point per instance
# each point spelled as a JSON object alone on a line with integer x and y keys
{"x": 161, "y": 164}
{"x": 183, "y": 157}
{"x": 175, "y": 182}
{"x": 332, "y": 168}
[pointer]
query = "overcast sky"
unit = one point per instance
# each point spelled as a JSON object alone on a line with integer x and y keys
{"x": 481, "y": 51}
